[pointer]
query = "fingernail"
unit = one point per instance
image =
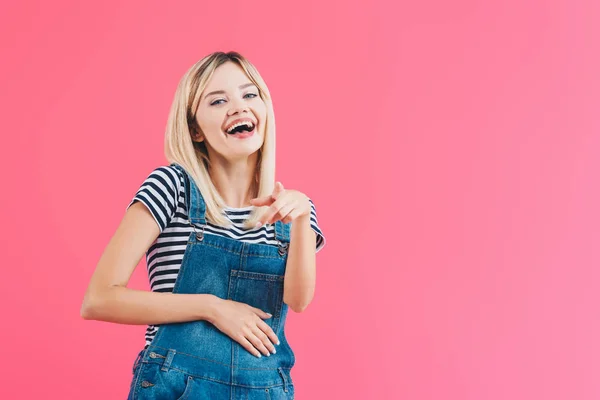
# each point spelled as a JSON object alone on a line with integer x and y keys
{"x": 259, "y": 356}
{"x": 269, "y": 314}
{"x": 278, "y": 343}
{"x": 274, "y": 351}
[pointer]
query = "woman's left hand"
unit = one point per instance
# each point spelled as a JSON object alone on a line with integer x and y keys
{"x": 284, "y": 204}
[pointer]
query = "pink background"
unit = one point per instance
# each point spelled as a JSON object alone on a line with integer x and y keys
{"x": 451, "y": 149}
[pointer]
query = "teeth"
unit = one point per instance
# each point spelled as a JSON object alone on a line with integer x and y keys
{"x": 247, "y": 123}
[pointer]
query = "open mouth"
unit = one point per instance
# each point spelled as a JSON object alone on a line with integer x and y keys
{"x": 242, "y": 130}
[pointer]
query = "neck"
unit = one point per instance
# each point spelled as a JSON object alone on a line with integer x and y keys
{"x": 234, "y": 180}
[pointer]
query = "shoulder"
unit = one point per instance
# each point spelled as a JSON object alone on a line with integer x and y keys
{"x": 166, "y": 179}
{"x": 167, "y": 174}
{"x": 160, "y": 193}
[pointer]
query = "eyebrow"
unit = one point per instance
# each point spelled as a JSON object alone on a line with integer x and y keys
{"x": 222, "y": 91}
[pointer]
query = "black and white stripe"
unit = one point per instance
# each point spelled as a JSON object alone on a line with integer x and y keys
{"x": 163, "y": 193}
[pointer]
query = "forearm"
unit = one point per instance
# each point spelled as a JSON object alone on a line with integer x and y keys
{"x": 140, "y": 307}
{"x": 300, "y": 274}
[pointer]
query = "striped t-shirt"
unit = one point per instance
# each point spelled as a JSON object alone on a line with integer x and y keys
{"x": 163, "y": 193}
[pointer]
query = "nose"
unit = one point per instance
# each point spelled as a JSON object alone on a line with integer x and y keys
{"x": 237, "y": 108}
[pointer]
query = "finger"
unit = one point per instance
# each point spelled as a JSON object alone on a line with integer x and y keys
{"x": 282, "y": 213}
{"x": 292, "y": 215}
{"x": 248, "y": 345}
{"x": 271, "y": 212}
{"x": 261, "y": 313}
{"x": 256, "y": 342}
{"x": 286, "y": 211}
{"x": 267, "y": 200}
{"x": 264, "y": 339}
{"x": 269, "y": 332}
{"x": 277, "y": 190}
{"x": 279, "y": 214}
{"x": 262, "y": 201}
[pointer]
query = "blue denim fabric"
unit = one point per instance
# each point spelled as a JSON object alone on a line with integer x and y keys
{"x": 195, "y": 360}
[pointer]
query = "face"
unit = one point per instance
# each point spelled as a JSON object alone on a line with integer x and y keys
{"x": 236, "y": 99}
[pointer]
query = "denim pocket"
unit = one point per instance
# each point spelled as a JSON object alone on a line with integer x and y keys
{"x": 151, "y": 382}
{"x": 260, "y": 290}
{"x": 187, "y": 393}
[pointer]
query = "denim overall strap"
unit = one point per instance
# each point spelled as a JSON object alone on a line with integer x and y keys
{"x": 282, "y": 235}
{"x": 195, "y": 203}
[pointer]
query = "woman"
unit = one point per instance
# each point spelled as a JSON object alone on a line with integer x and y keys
{"x": 228, "y": 249}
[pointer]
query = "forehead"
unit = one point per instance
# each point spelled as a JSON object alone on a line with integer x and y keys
{"x": 228, "y": 76}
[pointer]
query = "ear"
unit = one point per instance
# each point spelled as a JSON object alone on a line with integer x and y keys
{"x": 195, "y": 132}
{"x": 197, "y": 137}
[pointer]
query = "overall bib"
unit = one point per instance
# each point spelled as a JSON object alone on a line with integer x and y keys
{"x": 195, "y": 360}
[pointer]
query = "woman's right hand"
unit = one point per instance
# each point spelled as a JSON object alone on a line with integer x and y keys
{"x": 243, "y": 323}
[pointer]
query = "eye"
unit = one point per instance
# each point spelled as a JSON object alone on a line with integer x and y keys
{"x": 216, "y": 102}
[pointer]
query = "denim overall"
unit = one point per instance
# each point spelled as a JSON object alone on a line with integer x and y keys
{"x": 195, "y": 360}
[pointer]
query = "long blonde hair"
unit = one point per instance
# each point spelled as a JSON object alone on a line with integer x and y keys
{"x": 193, "y": 156}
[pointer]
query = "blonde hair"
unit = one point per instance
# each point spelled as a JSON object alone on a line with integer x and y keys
{"x": 193, "y": 156}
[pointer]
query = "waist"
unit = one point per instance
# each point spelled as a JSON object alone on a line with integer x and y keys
{"x": 233, "y": 365}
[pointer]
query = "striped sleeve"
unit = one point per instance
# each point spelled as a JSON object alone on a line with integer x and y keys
{"x": 159, "y": 193}
{"x": 315, "y": 225}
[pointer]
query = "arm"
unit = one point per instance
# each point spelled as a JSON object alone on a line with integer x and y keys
{"x": 300, "y": 274}
{"x": 108, "y": 299}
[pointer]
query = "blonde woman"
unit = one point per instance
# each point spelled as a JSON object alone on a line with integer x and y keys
{"x": 228, "y": 248}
